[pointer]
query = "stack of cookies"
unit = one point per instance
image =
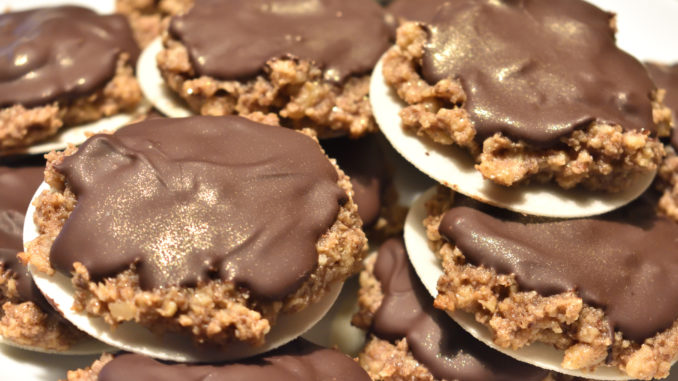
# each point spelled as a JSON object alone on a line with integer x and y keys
{"x": 206, "y": 247}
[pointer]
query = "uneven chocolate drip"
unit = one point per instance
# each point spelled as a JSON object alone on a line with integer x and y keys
{"x": 364, "y": 162}
{"x": 232, "y": 40}
{"x": 17, "y": 186}
{"x": 297, "y": 361}
{"x": 435, "y": 340}
{"x": 58, "y": 54}
{"x": 666, "y": 77}
{"x": 625, "y": 262}
{"x": 415, "y": 10}
{"x": 193, "y": 199}
{"x": 537, "y": 70}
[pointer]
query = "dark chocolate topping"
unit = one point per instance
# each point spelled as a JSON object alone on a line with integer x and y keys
{"x": 435, "y": 340}
{"x": 297, "y": 361}
{"x": 364, "y": 162}
{"x": 537, "y": 69}
{"x": 666, "y": 77}
{"x": 233, "y": 39}
{"x": 415, "y": 10}
{"x": 625, "y": 262}
{"x": 193, "y": 199}
{"x": 17, "y": 186}
{"x": 58, "y": 54}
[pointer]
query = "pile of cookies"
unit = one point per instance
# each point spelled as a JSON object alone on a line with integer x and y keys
{"x": 204, "y": 238}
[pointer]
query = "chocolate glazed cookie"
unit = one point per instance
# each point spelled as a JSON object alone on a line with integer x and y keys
{"x": 63, "y": 66}
{"x": 442, "y": 350}
{"x": 508, "y": 88}
{"x": 601, "y": 287}
{"x": 306, "y": 62}
{"x": 211, "y": 226}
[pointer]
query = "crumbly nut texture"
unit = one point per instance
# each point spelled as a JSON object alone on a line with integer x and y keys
{"x": 600, "y": 156}
{"x": 20, "y": 126}
{"x": 292, "y": 89}
{"x": 518, "y": 318}
{"x": 25, "y": 324}
{"x": 667, "y": 182}
{"x": 216, "y": 312}
{"x": 145, "y": 16}
{"x": 91, "y": 373}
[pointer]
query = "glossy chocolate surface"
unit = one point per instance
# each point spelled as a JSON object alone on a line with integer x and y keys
{"x": 297, "y": 361}
{"x": 624, "y": 262}
{"x": 435, "y": 340}
{"x": 58, "y": 54}
{"x": 232, "y": 40}
{"x": 415, "y": 10}
{"x": 536, "y": 70}
{"x": 194, "y": 199}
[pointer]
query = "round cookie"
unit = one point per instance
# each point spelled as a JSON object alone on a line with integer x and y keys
{"x": 530, "y": 111}
{"x": 26, "y": 318}
{"x": 65, "y": 66}
{"x": 194, "y": 219}
{"x": 409, "y": 339}
{"x": 531, "y": 279}
{"x": 307, "y": 62}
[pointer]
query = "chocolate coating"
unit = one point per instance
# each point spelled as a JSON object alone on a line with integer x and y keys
{"x": 299, "y": 360}
{"x": 58, "y": 54}
{"x": 17, "y": 186}
{"x": 449, "y": 352}
{"x": 666, "y": 77}
{"x": 415, "y": 10}
{"x": 537, "y": 70}
{"x": 232, "y": 40}
{"x": 625, "y": 262}
{"x": 364, "y": 162}
{"x": 194, "y": 199}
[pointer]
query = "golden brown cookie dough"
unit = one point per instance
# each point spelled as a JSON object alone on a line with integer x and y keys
{"x": 74, "y": 67}
{"x": 531, "y": 121}
{"x": 238, "y": 291}
{"x": 312, "y": 70}
{"x": 571, "y": 297}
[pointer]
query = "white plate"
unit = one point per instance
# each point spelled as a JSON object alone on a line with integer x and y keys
{"x": 153, "y": 85}
{"x": 136, "y": 338}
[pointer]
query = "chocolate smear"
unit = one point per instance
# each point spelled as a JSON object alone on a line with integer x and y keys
{"x": 194, "y": 199}
{"x": 536, "y": 70}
